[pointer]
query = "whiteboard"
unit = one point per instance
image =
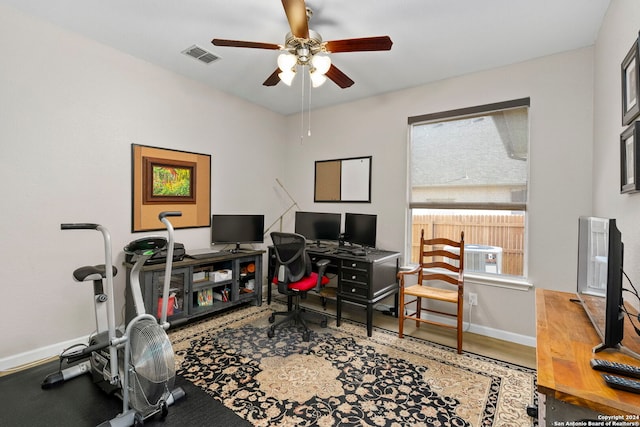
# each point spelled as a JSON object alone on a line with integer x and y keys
{"x": 354, "y": 185}
{"x": 343, "y": 180}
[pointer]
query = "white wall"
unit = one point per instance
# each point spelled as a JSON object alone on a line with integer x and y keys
{"x": 618, "y": 32}
{"x": 69, "y": 111}
{"x": 561, "y": 92}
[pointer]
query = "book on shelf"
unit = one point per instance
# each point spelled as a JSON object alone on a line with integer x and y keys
{"x": 205, "y": 297}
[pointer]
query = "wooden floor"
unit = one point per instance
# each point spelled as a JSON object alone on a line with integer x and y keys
{"x": 479, "y": 344}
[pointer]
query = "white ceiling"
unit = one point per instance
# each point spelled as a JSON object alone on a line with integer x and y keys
{"x": 432, "y": 39}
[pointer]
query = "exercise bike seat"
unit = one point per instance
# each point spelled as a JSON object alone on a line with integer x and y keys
{"x": 146, "y": 245}
{"x": 92, "y": 272}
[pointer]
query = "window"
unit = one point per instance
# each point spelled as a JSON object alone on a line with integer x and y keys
{"x": 468, "y": 171}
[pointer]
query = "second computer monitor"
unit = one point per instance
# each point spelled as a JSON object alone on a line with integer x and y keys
{"x": 317, "y": 226}
{"x": 360, "y": 229}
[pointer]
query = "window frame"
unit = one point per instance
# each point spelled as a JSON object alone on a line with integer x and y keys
{"x": 499, "y": 280}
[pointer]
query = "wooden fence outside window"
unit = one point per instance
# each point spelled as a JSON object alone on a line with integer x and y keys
{"x": 504, "y": 231}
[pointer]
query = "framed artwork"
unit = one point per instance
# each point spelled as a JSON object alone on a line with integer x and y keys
{"x": 169, "y": 180}
{"x": 630, "y": 85}
{"x": 629, "y": 165}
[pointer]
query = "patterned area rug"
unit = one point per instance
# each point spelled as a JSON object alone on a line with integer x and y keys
{"x": 341, "y": 377}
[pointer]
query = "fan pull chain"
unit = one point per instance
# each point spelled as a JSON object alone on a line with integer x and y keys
{"x": 309, "y": 110}
{"x": 302, "y": 107}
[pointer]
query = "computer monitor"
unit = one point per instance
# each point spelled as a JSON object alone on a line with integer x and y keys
{"x": 360, "y": 229}
{"x": 317, "y": 226}
{"x": 237, "y": 229}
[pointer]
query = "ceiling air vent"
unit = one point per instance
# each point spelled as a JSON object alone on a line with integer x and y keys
{"x": 200, "y": 54}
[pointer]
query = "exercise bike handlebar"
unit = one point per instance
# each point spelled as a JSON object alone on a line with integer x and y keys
{"x": 168, "y": 213}
{"x": 79, "y": 226}
{"x": 162, "y": 216}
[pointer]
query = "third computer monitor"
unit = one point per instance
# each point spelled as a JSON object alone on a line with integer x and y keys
{"x": 360, "y": 229}
{"x": 317, "y": 226}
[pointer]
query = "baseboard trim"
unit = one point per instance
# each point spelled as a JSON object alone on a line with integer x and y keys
{"x": 24, "y": 360}
{"x": 487, "y": 331}
{"x": 502, "y": 335}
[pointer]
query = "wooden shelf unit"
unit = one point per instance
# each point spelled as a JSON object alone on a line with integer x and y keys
{"x": 201, "y": 287}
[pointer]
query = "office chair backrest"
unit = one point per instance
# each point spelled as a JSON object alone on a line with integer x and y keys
{"x": 293, "y": 261}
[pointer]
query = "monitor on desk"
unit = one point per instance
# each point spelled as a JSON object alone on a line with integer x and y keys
{"x": 237, "y": 229}
{"x": 317, "y": 226}
{"x": 360, "y": 229}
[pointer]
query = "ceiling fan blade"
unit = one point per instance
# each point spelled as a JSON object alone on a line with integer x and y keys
{"x": 338, "y": 77}
{"x": 296, "y": 12}
{"x": 359, "y": 45}
{"x": 238, "y": 43}
{"x": 273, "y": 79}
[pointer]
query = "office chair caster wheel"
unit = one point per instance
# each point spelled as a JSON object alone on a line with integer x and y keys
{"x": 306, "y": 336}
{"x": 272, "y": 318}
{"x": 323, "y": 323}
{"x": 270, "y": 333}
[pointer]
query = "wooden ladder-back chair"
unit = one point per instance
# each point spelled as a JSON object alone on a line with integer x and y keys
{"x": 434, "y": 283}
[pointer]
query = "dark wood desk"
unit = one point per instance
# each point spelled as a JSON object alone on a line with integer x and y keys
{"x": 363, "y": 280}
{"x": 574, "y": 391}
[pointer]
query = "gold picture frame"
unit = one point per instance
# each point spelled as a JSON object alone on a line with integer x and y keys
{"x": 169, "y": 180}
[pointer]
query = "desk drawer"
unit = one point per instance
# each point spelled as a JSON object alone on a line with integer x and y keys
{"x": 358, "y": 265}
{"x": 354, "y": 289}
{"x": 354, "y": 275}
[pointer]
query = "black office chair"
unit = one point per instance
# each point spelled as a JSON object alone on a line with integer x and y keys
{"x": 294, "y": 276}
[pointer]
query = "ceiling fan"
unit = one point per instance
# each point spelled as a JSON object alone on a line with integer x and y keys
{"x": 305, "y": 47}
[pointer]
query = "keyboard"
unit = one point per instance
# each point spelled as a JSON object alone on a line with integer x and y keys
{"x": 318, "y": 249}
{"x": 615, "y": 368}
{"x": 622, "y": 383}
{"x": 207, "y": 254}
{"x": 351, "y": 251}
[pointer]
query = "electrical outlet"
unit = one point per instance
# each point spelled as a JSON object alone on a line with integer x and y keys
{"x": 473, "y": 298}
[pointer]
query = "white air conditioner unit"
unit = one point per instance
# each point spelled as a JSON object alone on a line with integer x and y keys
{"x": 481, "y": 258}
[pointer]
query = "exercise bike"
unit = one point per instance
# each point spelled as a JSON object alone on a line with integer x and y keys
{"x": 137, "y": 365}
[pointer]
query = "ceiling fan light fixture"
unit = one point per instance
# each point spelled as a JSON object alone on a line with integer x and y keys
{"x": 321, "y": 64}
{"x": 286, "y": 61}
{"x": 317, "y": 79}
{"x": 287, "y": 76}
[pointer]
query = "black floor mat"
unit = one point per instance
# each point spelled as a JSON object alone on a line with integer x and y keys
{"x": 79, "y": 402}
